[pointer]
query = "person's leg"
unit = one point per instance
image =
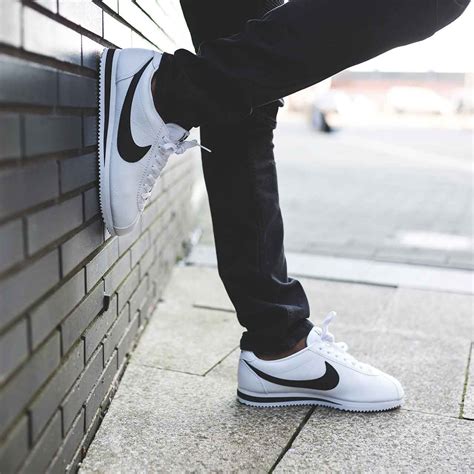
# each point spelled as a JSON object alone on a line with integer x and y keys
{"x": 292, "y": 47}
{"x": 242, "y": 187}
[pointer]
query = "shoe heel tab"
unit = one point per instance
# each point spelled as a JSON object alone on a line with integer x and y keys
{"x": 247, "y": 355}
{"x": 131, "y": 60}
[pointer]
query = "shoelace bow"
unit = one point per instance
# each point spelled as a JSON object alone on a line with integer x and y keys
{"x": 326, "y": 336}
{"x": 166, "y": 149}
{"x": 340, "y": 348}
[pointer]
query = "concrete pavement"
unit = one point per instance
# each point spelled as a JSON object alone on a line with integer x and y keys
{"x": 388, "y": 245}
{"x": 175, "y": 409}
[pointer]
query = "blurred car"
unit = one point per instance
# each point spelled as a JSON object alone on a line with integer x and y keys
{"x": 338, "y": 102}
{"x": 404, "y": 99}
{"x": 333, "y": 101}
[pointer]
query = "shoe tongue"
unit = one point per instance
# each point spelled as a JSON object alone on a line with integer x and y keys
{"x": 313, "y": 337}
{"x": 176, "y": 133}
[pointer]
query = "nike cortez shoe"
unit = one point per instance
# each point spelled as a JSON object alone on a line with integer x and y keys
{"x": 321, "y": 374}
{"x": 134, "y": 142}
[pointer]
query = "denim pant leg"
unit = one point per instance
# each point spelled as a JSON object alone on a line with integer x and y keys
{"x": 294, "y": 46}
{"x": 242, "y": 187}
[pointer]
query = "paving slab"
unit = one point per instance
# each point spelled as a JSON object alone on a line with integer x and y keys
{"x": 197, "y": 286}
{"x": 357, "y": 304}
{"x": 362, "y": 271}
{"x": 430, "y": 313}
{"x": 398, "y": 441}
{"x": 431, "y": 370}
{"x": 187, "y": 339}
{"x": 162, "y": 421}
{"x": 468, "y": 409}
{"x": 431, "y": 386}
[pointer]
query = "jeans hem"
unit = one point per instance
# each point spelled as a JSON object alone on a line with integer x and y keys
{"x": 254, "y": 343}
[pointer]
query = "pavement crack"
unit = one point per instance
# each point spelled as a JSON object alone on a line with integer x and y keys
{"x": 220, "y": 361}
{"x": 466, "y": 383}
{"x": 213, "y": 308}
{"x": 167, "y": 370}
{"x": 292, "y": 439}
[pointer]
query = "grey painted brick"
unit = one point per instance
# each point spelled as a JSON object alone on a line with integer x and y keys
{"x": 10, "y": 136}
{"x": 14, "y": 448}
{"x": 45, "y": 317}
{"x": 90, "y": 53}
{"x": 69, "y": 447}
{"x": 60, "y": 42}
{"x": 23, "y": 288}
{"x": 126, "y": 241}
{"x": 127, "y": 288}
{"x": 138, "y": 298}
{"x": 46, "y": 403}
{"x": 82, "y": 244}
{"x": 78, "y": 171}
{"x": 85, "y": 14}
{"x": 10, "y": 22}
{"x": 152, "y": 211}
{"x": 48, "y": 4}
{"x": 91, "y": 203}
{"x": 125, "y": 344}
{"x": 23, "y": 187}
{"x": 49, "y": 134}
{"x": 149, "y": 306}
{"x": 114, "y": 335}
{"x": 45, "y": 448}
{"x": 79, "y": 393}
{"x": 117, "y": 33}
{"x": 77, "y": 91}
{"x": 101, "y": 389}
{"x": 25, "y": 82}
{"x": 96, "y": 332}
{"x": 13, "y": 349}
{"x": 140, "y": 247}
{"x": 11, "y": 238}
{"x": 76, "y": 323}
{"x": 101, "y": 263}
{"x": 21, "y": 388}
{"x": 113, "y": 4}
{"x": 89, "y": 125}
{"x": 117, "y": 274}
{"x": 53, "y": 222}
{"x": 147, "y": 261}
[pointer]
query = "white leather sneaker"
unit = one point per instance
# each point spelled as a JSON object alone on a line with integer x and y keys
{"x": 321, "y": 374}
{"x": 134, "y": 142}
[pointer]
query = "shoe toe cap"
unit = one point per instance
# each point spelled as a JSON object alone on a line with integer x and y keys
{"x": 390, "y": 388}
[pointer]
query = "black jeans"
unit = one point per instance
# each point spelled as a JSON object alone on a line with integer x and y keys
{"x": 291, "y": 47}
{"x": 245, "y": 63}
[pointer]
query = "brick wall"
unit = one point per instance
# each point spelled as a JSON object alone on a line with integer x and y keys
{"x": 61, "y": 351}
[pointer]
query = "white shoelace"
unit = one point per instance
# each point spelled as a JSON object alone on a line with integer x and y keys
{"x": 339, "y": 348}
{"x": 160, "y": 159}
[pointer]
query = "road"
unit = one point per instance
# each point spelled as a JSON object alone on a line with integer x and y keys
{"x": 394, "y": 194}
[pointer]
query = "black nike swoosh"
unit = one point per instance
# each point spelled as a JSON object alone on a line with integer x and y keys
{"x": 327, "y": 382}
{"x": 127, "y": 147}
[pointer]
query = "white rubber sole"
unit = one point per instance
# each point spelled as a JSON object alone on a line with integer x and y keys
{"x": 296, "y": 399}
{"x": 107, "y": 69}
